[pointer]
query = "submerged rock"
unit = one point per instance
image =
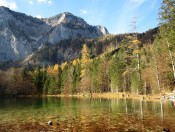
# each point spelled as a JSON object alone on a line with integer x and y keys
{"x": 50, "y": 123}
{"x": 166, "y": 130}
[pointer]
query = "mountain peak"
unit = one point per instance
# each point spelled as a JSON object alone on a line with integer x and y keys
{"x": 102, "y": 29}
{"x": 3, "y": 7}
{"x": 64, "y": 18}
{"x": 67, "y": 13}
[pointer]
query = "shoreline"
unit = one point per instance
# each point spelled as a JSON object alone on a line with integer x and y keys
{"x": 108, "y": 95}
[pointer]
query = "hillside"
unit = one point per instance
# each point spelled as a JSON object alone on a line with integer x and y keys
{"x": 68, "y": 50}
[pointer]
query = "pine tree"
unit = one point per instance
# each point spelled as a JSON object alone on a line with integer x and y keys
{"x": 95, "y": 75}
{"x": 46, "y": 85}
{"x": 135, "y": 71}
{"x": 167, "y": 28}
{"x": 76, "y": 76}
{"x": 64, "y": 77}
{"x": 116, "y": 70}
{"x": 167, "y": 14}
{"x": 24, "y": 73}
{"x": 38, "y": 80}
{"x": 59, "y": 81}
{"x": 134, "y": 46}
{"x": 103, "y": 75}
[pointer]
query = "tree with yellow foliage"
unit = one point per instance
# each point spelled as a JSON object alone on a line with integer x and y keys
{"x": 75, "y": 62}
{"x": 63, "y": 65}
{"x": 84, "y": 72}
{"x": 85, "y": 60}
{"x": 55, "y": 68}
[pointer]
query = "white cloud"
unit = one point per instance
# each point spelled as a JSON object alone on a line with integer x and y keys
{"x": 10, "y": 4}
{"x": 30, "y": 2}
{"x": 41, "y": 1}
{"x": 49, "y": 2}
{"x": 45, "y": 1}
{"x": 83, "y": 11}
{"x": 39, "y": 16}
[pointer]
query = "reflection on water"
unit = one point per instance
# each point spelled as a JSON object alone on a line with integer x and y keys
{"x": 85, "y": 114}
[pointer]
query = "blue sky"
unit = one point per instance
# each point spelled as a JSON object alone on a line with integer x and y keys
{"x": 115, "y": 15}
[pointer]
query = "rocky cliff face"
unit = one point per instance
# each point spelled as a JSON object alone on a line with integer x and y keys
{"x": 22, "y": 35}
{"x": 68, "y": 26}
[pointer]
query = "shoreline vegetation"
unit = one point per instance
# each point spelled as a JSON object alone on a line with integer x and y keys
{"x": 109, "y": 95}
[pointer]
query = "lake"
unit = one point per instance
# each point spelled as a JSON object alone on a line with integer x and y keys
{"x": 85, "y": 114}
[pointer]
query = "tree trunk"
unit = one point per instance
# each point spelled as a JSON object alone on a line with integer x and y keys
{"x": 171, "y": 57}
{"x": 124, "y": 84}
{"x": 145, "y": 86}
{"x": 157, "y": 71}
{"x": 138, "y": 68}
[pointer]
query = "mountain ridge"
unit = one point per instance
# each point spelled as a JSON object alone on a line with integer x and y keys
{"x": 22, "y": 35}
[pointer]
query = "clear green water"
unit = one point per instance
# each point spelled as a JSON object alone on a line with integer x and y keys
{"x": 85, "y": 114}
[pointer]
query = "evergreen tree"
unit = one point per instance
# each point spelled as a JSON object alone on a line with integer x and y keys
{"x": 46, "y": 85}
{"x": 135, "y": 71}
{"x": 24, "y": 72}
{"x": 38, "y": 80}
{"x": 116, "y": 70}
{"x": 59, "y": 80}
{"x": 167, "y": 29}
{"x": 103, "y": 76}
{"x": 76, "y": 76}
{"x": 167, "y": 14}
{"x": 64, "y": 77}
{"x": 94, "y": 75}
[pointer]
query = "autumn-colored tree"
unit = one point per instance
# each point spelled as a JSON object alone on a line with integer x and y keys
{"x": 55, "y": 68}
{"x": 85, "y": 60}
{"x": 85, "y": 63}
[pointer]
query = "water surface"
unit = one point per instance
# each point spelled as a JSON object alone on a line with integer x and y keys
{"x": 85, "y": 114}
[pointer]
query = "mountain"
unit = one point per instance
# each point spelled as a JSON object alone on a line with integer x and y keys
{"x": 21, "y": 36}
{"x": 67, "y": 26}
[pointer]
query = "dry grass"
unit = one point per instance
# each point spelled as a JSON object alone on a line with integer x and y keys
{"x": 127, "y": 95}
{"x": 108, "y": 95}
